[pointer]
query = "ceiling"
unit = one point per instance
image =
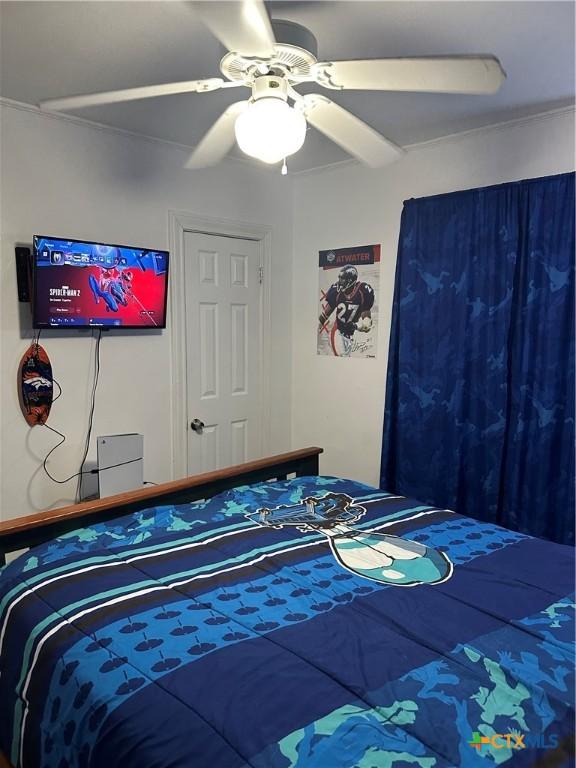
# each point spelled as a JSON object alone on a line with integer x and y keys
{"x": 51, "y": 49}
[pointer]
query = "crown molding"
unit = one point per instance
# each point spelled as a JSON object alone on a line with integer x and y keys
{"x": 501, "y": 125}
{"x": 111, "y": 129}
{"x": 452, "y": 138}
{"x": 81, "y": 121}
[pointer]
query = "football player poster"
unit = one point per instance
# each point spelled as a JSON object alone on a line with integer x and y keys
{"x": 348, "y": 316}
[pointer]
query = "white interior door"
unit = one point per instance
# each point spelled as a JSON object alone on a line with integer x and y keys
{"x": 224, "y": 350}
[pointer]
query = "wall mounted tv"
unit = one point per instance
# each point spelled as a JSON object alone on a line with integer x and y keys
{"x": 80, "y": 284}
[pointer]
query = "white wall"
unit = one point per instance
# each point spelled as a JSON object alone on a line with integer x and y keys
{"x": 63, "y": 178}
{"x": 338, "y": 403}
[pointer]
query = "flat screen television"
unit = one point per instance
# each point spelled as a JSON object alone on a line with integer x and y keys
{"x": 79, "y": 284}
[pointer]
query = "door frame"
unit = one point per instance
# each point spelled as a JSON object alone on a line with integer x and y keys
{"x": 180, "y": 222}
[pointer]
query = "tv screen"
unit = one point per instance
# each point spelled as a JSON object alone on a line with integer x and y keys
{"x": 80, "y": 284}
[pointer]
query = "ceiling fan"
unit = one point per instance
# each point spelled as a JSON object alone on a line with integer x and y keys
{"x": 273, "y": 57}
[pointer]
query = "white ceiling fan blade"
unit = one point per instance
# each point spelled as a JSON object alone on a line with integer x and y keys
{"x": 218, "y": 141}
{"x": 132, "y": 94}
{"x": 432, "y": 74}
{"x": 346, "y": 130}
{"x": 243, "y": 26}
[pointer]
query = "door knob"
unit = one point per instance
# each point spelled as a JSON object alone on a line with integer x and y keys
{"x": 197, "y": 425}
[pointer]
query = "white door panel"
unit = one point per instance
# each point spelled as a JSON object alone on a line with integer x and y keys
{"x": 224, "y": 351}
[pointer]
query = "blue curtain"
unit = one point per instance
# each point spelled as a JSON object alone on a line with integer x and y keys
{"x": 479, "y": 412}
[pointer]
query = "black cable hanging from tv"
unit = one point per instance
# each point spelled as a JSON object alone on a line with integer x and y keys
{"x": 81, "y": 472}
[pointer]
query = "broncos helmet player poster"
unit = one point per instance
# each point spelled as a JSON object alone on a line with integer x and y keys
{"x": 348, "y": 315}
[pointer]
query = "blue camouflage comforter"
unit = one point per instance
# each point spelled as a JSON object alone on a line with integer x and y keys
{"x": 316, "y": 623}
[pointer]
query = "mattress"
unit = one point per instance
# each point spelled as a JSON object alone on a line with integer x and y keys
{"x": 314, "y": 622}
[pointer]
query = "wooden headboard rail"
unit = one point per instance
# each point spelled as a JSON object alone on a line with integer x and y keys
{"x": 25, "y": 532}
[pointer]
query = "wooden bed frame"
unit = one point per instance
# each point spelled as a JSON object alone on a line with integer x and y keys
{"x": 25, "y": 532}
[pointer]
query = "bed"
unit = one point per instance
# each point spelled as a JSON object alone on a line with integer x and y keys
{"x": 267, "y": 616}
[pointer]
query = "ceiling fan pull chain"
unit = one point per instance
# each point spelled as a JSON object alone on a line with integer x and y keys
{"x": 284, "y": 170}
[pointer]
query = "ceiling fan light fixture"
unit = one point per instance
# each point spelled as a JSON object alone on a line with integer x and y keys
{"x": 269, "y": 129}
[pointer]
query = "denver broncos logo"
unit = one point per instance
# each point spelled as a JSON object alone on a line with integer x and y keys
{"x": 37, "y": 382}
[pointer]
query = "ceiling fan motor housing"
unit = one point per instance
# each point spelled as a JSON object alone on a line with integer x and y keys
{"x": 295, "y": 35}
{"x": 294, "y": 54}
